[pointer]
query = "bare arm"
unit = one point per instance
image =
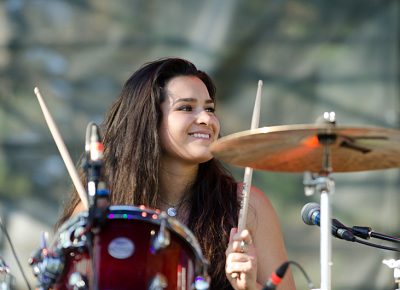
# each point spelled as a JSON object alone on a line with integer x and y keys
{"x": 264, "y": 226}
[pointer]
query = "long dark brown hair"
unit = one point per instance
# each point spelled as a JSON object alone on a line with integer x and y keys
{"x": 132, "y": 152}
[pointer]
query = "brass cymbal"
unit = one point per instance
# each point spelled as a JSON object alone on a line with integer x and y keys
{"x": 298, "y": 148}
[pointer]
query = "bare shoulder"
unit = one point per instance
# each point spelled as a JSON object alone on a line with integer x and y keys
{"x": 259, "y": 200}
{"x": 260, "y": 205}
{"x": 264, "y": 212}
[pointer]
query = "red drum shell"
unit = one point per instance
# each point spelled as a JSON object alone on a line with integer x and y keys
{"x": 122, "y": 252}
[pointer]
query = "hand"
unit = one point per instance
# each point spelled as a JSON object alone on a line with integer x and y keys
{"x": 241, "y": 261}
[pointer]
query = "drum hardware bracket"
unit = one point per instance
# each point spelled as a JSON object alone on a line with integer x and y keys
{"x": 316, "y": 183}
{"x": 162, "y": 238}
{"x": 47, "y": 266}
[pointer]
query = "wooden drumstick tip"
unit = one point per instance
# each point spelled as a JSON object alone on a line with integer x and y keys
{"x": 36, "y": 90}
{"x": 260, "y": 83}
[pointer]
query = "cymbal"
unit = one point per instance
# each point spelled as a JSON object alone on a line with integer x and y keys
{"x": 298, "y": 148}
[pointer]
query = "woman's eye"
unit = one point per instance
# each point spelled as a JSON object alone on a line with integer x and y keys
{"x": 211, "y": 110}
{"x": 185, "y": 108}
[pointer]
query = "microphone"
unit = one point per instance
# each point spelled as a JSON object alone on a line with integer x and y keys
{"x": 276, "y": 277}
{"x": 310, "y": 214}
{"x": 98, "y": 192}
{"x": 93, "y": 145}
{"x": 94, "y": 163}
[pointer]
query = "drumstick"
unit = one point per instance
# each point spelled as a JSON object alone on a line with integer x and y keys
{"x": 63, "y": 150}
{"x": 248, "y": 172}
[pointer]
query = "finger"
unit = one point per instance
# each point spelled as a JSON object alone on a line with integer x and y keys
{"x": 243, "y": 235}
{"x": 246, "y": 236}
{"x": 232, "y": 246}
{"x": 242, "y": 241}
{"x": 232, "y": 260}
{"x": 232, "y": 233}
{"x": 229, "y": 248}
{"x": 232, "y": 275}
{"x": 242, "y": 267}
{"x": 236, "y": 246}
{"x": 237, "y": 258}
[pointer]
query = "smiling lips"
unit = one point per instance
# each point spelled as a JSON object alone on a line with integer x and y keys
{"x": 201, "y": 135}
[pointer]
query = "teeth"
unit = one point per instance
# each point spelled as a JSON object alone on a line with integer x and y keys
{"x": 199, "y": 135}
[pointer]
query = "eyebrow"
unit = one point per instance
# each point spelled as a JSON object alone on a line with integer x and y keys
{"x": 191, "y": 100}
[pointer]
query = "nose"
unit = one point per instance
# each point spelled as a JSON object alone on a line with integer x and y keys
{"x": 203, "y": 117}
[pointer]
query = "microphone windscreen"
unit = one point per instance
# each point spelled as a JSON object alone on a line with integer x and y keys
{"x": 307, "y": 211}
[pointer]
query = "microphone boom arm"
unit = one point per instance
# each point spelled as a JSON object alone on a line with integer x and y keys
{"x": 367, "y": 233}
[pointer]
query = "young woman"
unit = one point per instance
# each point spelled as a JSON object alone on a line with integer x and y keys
{"x": 156, "y": 153}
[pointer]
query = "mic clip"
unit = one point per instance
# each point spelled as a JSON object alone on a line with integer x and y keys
{"x": 317, "y": 183}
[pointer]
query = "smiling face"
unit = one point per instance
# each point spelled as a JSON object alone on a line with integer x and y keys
{"x": 189, "y": 124}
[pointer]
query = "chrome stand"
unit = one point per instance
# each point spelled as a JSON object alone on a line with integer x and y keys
{"x": 325, "y": 185}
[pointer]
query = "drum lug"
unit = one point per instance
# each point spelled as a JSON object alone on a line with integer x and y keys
{"x": 77, "y": 281}
{"x": 162, "y": 239}
{"x": 159, "y": 282}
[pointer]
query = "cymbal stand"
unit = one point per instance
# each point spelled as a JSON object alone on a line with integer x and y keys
{"x": 325, "y": 185}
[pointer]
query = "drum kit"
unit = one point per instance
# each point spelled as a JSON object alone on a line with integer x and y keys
{"x": 146, "y": 248}
{"x": 150, "y": 250}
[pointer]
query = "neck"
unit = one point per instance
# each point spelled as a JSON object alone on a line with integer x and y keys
{"x": 175, "y": 179}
